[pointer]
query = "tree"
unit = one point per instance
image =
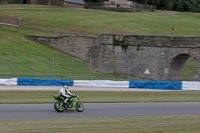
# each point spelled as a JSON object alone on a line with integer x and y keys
{"x": 154, "y": 2}
{"x": 177, "y": 5}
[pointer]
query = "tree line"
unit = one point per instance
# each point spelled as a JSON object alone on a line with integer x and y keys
{"x": 175, "y": 5}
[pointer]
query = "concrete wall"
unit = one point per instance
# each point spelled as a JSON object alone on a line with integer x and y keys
{"x": 116, "y": 53}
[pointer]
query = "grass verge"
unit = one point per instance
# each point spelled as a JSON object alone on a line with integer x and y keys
{"x": 20, "y": 97}
{"x": 155, "y": 124}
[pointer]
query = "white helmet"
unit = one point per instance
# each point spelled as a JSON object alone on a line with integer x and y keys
{"x": 66, "y": 87}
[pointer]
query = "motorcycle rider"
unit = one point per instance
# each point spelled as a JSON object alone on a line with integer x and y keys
{"x": 64, "y": 92}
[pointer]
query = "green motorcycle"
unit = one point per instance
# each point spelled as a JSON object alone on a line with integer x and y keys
{"x": 60, "y": 106}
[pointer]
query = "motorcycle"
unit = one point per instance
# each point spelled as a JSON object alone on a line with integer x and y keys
{"x": 60, "y": 106}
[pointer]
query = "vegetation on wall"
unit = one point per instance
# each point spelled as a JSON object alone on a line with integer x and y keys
{"x": 124, "y": 43}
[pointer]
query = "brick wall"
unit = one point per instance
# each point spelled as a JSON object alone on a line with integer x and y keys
{"x": 72, "y": 5}
{"x": 13, "y": 1}
{"x": 43, "y": 2}
{"x": 32, "y": 1}
{"x": 57, "y": 2}
{"x": 9, "y": 1}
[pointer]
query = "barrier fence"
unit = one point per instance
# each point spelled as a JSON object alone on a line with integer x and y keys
{"x": 54, "y": 66}
{"x": 167, "y": 85}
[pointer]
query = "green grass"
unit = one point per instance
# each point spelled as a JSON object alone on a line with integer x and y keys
{"x": 32, "y": 58}
{"x": 153, "y": 124}
{"x": 61, "y": 21}
{"x": 190, "y": 70}
{"x": 21, "y": 97}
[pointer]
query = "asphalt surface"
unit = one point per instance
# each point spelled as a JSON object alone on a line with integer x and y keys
{"x": 46, "y": 111}
{"x": 74, "y": 88}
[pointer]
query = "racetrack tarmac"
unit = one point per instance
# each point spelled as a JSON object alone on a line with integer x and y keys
{"x": 74, "y": 88}
{"x": 46, "y": 111}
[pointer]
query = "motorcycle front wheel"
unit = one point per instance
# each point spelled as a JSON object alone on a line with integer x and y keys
{"x": 58, "y": 106}
{"x": 79, "y": 107}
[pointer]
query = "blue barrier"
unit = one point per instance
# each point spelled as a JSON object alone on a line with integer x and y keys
{"x": 47, "y": 82}
{"x": 130, "y": 84}
{"x": 156, "y": 85}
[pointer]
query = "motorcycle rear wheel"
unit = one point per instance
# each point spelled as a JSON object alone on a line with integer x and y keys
{"x": 79, "y": 107}
{"x": 58, "y": 107}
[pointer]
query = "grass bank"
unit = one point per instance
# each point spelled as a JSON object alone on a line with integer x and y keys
{"x": 70, "y": 21}
{"x": 18, "y": 97}
{"x": 31, "y": 58}
{"x": 161, "y": 124}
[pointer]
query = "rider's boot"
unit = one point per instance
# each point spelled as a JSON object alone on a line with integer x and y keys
{"x": 69, "y": 102}
{"x": 64, "y": 103}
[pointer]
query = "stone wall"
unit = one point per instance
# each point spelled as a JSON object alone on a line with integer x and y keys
{"x": 145, "y": 52}
{"x": 81, "y": 47}
{"x": 128, "y": 6}
{"x": 116, "y": 53}
{"x": 73, "y": 5}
